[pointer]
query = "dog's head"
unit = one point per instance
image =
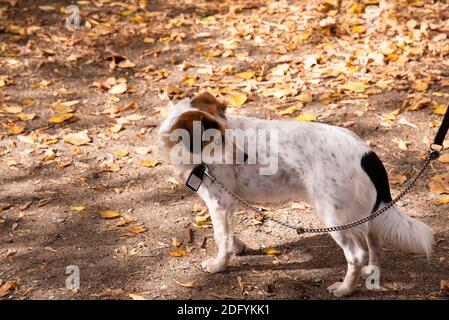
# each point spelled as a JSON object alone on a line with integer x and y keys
{"x": 193, "y": 125}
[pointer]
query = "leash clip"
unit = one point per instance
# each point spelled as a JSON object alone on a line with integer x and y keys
{"x": 300, "y": 231}
{"x": 435, "y": 150}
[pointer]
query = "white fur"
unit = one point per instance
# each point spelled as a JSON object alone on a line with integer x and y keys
{"x": 319, "y": 164}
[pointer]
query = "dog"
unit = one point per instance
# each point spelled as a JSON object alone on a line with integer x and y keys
{"x": 329, "y": 167}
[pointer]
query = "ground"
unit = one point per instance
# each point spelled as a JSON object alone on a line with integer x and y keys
{"x": 82, "y": 183}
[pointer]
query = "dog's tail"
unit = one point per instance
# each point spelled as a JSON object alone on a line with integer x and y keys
{"x": 394, "y": 226}
{"x": 401, "y": 230}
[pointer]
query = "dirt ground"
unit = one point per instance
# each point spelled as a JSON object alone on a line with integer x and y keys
{"x": 262, "y": 57}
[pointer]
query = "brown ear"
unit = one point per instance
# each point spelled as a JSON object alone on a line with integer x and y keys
{"x": 207, "y": 102}
{"x": 207, "y": 121}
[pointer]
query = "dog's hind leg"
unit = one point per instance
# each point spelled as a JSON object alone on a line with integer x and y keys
{"x": 356, "y": 257}
{"x": 375, "y": 249}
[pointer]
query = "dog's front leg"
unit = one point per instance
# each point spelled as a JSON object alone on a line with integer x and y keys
{"x": 220, "y": 208}
{"x": 222, "y": 239}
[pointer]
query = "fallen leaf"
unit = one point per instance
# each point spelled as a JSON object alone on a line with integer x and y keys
{"x": 236, "y": 99}
{"x": 77, "y": 208}
{"x": 109, "y": 214}
{"x": 136, "y": 229}
{"x": 439, "y": 184}
{"x": 61, "y": 118}
{"x": 7, "y": 286}
{"x": 440, "y": 109}
{"x": 178, "y": 252}
{"x": 11, "y": 109}
{"x": 306, "y": 117}
{"x": 421, "y": 85}
{"x": 190, "y": 284}
{"x": 142, "y": 150}
{"x": 287, "y": 111}
{"x": 271, "y": 251}
{"x": 444, "y": 285}
{"x": 247, "y": 75}
{"x": 15, "y": 129}
{"x": 357, "y": 87}
{"x": 121, "y": 153}
{"x": 77, "y": 138}
{"x": 26, "y": 116}
{"x": 304, "y": 97}
{"x": 149, "y": 163}
{"x": 126, "y": 64}
{"x": 118, "y": 88}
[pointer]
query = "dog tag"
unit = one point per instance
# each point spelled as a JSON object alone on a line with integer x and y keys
{"x": 196, "y": 177}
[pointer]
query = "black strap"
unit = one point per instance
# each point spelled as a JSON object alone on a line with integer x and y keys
{"x": 442, "y": 131}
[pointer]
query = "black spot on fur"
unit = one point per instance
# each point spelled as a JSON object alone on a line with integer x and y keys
{"x": 378, "y": 175}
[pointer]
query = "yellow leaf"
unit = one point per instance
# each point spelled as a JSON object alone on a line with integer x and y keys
{"x": 46, "y": 8}
{"x": 304, "y": 97}
{"x": 16, "y": 129}
{"x": 26, "y": 116}
{"x": 246, "y": 75}
{"x": 440, "y": 109}
{"x": 212, "y": 54}
{"x": 136, "y": 229}
{"x": 287, "y": 111}
{"x": 356, "y": 8}
{"x": 439, "y": 184}
{"x": 271, "y": 251}
{"x": 109, "y": 214}
{"x": 354, "y": 86}
{"x": 392, "y": 115}
{"x": 189, "y": 81}
{"x": 178, "y": 252}
{"x": 77, "y": 208}
{"x": 61, "y": 118}
{"x": 359, "y": 29}
{"x": 421, "y": 85}
{"x": 306, "y": 117}
{"x": 118, "y": 88}
{"x": 127, "y": 13}
{"x": 149, "y": 163}
{"x": 122, "y": 153}
{"x": 77, "y": 138}
{"x": 125, "y": 64}
{"x": 443, "y": 200}
{"x": 172, "y": 90}
{"x": 7, "y": 286}
{"x": 444, "y": 158}
{"x": 236, "y": 99}
{"x": 11, "y": 109}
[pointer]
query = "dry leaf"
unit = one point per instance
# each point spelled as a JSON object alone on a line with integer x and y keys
{"x": 149, "y": 163}
{"x": 109, "y": 214}
{"x": 357, "y": 87}
{"x": 287, "y": 111}
{"x": 26, "y": 116}
{"x": 271, "y": 251}
{"x": 77, "y": 208}
{"x": 176, "y": 242}
{"x": 440, "y": 109}
{"x": 7, "y": 286}
{"x": 121, "y": 153}
{"x": 118, "y": 88}
{"x": 304, "y": 97}
{"x": 190, "y": 284}
{"x": 61, "y": 118}
{"x": 236, "y": 99}
{"x": 136, "y": 229}
{"x": 178, "y": 252}
{"x": 11, "y": 109}
{"x": 78, "y": 138}
{"x": 439, "y": 184}
{"x": 306, "y": 117}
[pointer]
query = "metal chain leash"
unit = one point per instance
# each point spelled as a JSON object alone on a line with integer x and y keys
{"x": 431, "y": 155}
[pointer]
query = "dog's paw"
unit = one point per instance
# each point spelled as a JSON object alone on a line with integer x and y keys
{"x": 237, "y": 247}
{"x": 339, "y": 289}
{"x": 213, "y": 266}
